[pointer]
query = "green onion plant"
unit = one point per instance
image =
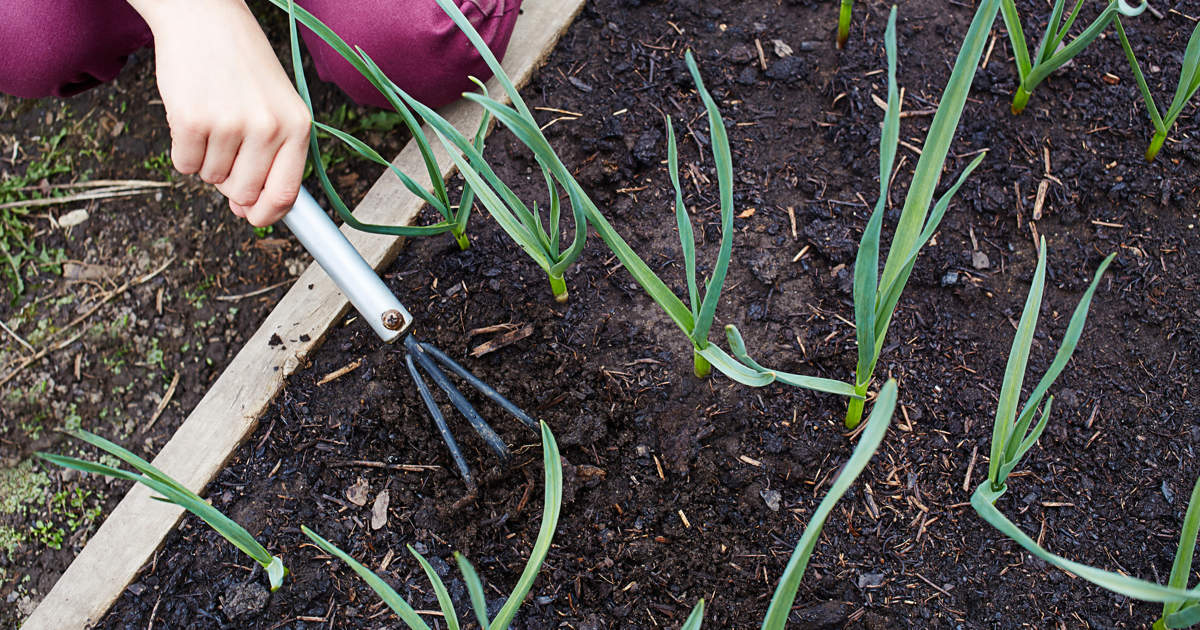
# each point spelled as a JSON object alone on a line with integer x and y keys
{"x": 454, "y": 216}
{"x": 875, "y": 295}
{"x": 172, "y": 492}
{"x": 793, "y": 573}
{"x": 1052, "y": 53}
{"x": 541, "y": 547}
{"x": 1189, "y": 84}
{"x": 1013, "y": 434}
{"x": 694, "y": 322}
{"x": 539, "y": 239}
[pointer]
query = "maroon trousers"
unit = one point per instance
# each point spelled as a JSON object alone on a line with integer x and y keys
{"x": 63, "y": 47}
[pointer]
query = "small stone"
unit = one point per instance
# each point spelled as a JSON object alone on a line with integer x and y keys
{"x": 950, "y": 279}
{"x": 73, "y": 218}
{"x": 772, "y": 498}
{"x": 979, "y": 260}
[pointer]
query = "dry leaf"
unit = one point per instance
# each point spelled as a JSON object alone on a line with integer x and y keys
{"x": 357, "y": 493}
{"x": 379, "y": 510}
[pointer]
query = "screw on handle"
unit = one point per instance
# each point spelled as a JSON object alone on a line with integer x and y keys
{"x": 357, "y": 280}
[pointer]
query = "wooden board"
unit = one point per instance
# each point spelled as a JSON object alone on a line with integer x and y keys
{"x": 229, "y": 412}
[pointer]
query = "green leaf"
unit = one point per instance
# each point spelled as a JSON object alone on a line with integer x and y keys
{"x": 1185, "y": 618}
{"x": 172, "y": 492}
{"x": 439, "y": 589}
{"x": 687, "y": 240}
{"x": 937, "y": 143}
{"x": 88, "y": 467}
{"x": 474, "y": 588}
{"x": 1014, "y": 372}
{"x": 385, "y": 591}
{"x": 1065, "y": 350}
{"x": 722, "y": 158}
{"x": 550, "y": 512}
{"x": 696, "y": 619}
{"x": 983, "y": 501}
{"x": 749, "y": 372}
{"x": 1016, "y": 37}
{"x": 868, "y": 443}
{"x": 1181, "y": 569}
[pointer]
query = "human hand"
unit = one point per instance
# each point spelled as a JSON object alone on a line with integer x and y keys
{"x": 234, "y": 116}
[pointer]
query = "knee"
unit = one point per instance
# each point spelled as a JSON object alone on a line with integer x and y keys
{"x": 60, "y": 48}
{"x": 420, "y": 49}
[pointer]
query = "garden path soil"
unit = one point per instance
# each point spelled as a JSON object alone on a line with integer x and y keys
{"x": 668, "y": 477}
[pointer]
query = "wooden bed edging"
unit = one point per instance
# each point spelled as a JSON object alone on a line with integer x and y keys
{"x": 229, "y": 412}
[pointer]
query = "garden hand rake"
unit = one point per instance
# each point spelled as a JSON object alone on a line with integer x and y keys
{"x": 391, "y": 321}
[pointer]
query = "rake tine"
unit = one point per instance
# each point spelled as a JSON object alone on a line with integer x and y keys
{"x": 459, "y": 401}
{"x": 440, "y": 421}
{"x": 479, "y": 385}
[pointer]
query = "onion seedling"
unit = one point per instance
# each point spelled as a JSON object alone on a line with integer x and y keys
{"x": 843, "y": 33}
{"x": 550, "y": 513}
{"x": 172, "y": 492}
{"x": 875, "y": 295}
{"x": 520, "y": 121}
{"x": 1013, "y": 434}
{"x": 1052, "y": 53}
{"x": 454, "y": 217}
{"x": 785, "y": 592}
{"x": 1189, "y": 84}
{"x": 523, "y": 225}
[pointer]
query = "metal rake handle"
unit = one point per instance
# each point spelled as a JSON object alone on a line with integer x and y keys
{"x": 357, "y": 280}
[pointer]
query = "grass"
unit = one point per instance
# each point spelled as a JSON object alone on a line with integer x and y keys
{"x": 20, "y": 254}
{"x": 550, "y": 512}
{"x": 1053, "y": 50}
{"x": 1189, "y": 84}
{"x": 877, "y": 295}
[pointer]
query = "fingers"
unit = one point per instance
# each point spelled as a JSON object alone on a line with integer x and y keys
{"x": 219, "y": 153}
{"x": 282, "y": 184}
{"x": 249, "y": 171}
{"x": 188, "y": 143}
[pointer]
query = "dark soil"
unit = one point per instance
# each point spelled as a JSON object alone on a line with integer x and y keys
{"x": 678, "y": 513}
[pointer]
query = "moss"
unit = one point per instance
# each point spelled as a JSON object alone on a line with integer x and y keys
{"x": 20, "y": 486}
{"x": 9, "y": 540}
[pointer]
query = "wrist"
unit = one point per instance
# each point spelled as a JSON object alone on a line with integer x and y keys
{"x": 161, "y": 14}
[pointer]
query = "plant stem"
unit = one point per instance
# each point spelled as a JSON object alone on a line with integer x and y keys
{"x": 700, "y": 365}
{"x": 463, "y": 242}
{"x": 1156, "y": 143}
{"x": 1020, "y": 99}
{"x": 844, "y": 23}
{"x": 559, "y": 287}
{"x": 855, "y": 411}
